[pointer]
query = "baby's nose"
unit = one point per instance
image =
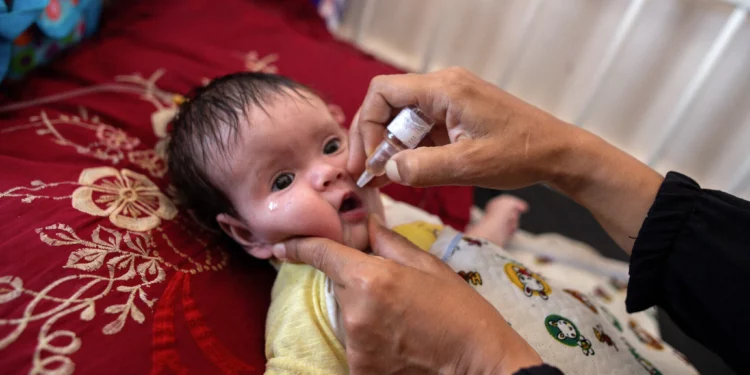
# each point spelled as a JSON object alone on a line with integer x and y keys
{"x": 325, "y": 174}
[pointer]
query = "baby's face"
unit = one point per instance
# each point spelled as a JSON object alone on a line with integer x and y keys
{"x": 286, "y": 177}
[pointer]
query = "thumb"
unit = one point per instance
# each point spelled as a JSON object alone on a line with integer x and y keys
{"x": 326, "y": 255}
{"x": 431, "y": 166}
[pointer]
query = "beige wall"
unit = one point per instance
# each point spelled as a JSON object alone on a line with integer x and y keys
{"x": 548, "y": 52}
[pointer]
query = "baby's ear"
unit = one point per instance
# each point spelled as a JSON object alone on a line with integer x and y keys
{"x": 239, "y": 232}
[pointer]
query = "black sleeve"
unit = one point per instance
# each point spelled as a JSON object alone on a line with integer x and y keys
{"x": 540, "y": 370}
{"x": 692, "y": 259}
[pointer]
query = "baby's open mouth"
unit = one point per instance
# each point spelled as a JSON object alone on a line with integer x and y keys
{"x": 350, "y": 202}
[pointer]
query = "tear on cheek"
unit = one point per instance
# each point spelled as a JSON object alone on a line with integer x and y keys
{"x": 272, "y": 206}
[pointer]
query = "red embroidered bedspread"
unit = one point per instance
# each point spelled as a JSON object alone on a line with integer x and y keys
{"x": 100, "y": 272}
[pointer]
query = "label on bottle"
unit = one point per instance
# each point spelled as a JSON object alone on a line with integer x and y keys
{"x": 409, "y": 128}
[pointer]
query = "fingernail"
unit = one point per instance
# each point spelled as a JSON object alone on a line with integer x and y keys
{"x": 279, "y": 251}
{"x": 391, "y": 169}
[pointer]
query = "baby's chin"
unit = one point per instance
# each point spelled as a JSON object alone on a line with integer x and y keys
{"x": 357, "y": 236}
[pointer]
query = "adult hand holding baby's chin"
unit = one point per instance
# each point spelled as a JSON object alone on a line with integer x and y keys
{"x": 405, "y": 311}
{"x": 487, "y": 137}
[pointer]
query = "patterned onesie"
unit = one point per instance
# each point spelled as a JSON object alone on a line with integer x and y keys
{"x": 568, "y": 329}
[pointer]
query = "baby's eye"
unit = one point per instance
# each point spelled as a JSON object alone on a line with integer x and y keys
{"x": 282, "y": 182}
{"x": 332, "y": 146}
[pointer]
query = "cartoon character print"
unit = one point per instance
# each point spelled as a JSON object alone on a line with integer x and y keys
{"x": 643, "y": 336}
{"x": 604, "y": 337}
{"x": 565, "y": 332}
{"x": 643, "y": 361}
{"x": 530, "y": 283}
{"x": 611, "y": 317}
{"x": 582, "y": 298}
{"x": 471, "y": 277}
{"x": 585, "y": 345}
{"x": 602, "y": 294}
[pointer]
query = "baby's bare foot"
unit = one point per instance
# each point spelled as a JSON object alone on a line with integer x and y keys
{"x": 501, "y": 219}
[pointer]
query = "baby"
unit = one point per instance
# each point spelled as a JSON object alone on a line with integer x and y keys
{"x": 260, "y": 158}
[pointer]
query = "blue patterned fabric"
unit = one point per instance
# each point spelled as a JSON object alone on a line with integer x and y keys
{"x": 33, "y": 31}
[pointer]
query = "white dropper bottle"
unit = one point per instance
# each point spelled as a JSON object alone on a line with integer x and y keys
{"x": 405, "y": 131}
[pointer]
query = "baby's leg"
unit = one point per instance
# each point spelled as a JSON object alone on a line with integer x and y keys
{"x": 500, "y": 220}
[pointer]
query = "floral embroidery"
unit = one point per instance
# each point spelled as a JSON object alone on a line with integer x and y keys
{"x": 163, "y": 101}
{"x": 265, "y": 64}
{"x": 150, "y": 161}
{"x": 110, "y": 144}
{"x": 10, "y": 288}
{"x": 115, "y": 138}
{"x": 130, "y": 199}
{"x": 29, "y": 193}
{"x": 125, "y": 262}
{"x": 147, "y": 88}
{"x": 254, "y": 63}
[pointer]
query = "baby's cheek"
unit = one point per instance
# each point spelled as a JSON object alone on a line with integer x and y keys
{"x": 299, "y": 217}
{"x": 319, "y": 226}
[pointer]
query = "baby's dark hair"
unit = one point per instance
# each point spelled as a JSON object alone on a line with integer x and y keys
{"x": 211, "y": 117}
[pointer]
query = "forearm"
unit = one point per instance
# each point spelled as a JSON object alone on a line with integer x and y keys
{"x": 617, "y": 188}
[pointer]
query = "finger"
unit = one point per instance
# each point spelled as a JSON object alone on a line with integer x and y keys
{"x": 326, "y": 255}
{"x": 438, "y": 136}
{"x": 430, "y": 166}
{"x": 362, "y": 363}
{"x": 375, "y": 114}
{"x": 391, "y": 245}
{"x": 355, "y": 164}
{"x": 388, "y": 94}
